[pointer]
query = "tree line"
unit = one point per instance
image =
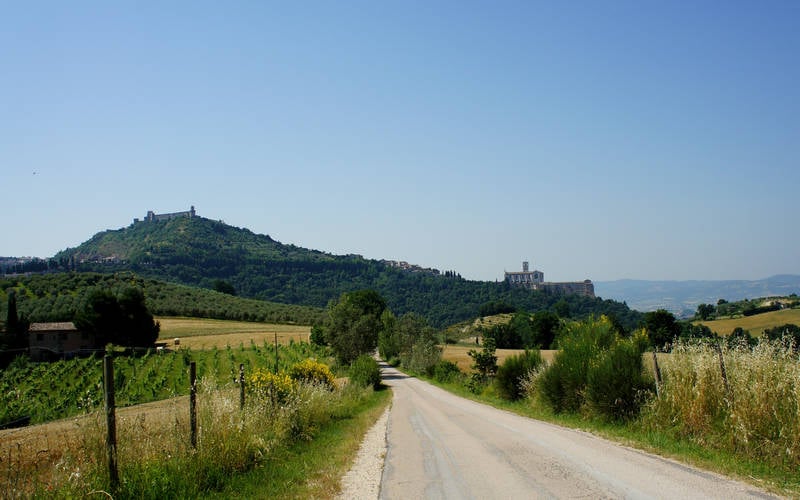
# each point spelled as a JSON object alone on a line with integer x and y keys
{"x": 200, "y": 252}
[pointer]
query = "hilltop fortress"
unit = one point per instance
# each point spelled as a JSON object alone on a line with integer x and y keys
{"x": 534, "y": 280}
{"x": 154, "y": 217}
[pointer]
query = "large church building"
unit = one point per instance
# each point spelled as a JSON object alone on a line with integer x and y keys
{"x": 534, "y": 280}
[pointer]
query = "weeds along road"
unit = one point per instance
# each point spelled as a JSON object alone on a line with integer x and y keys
{"x": 444, "y": 446}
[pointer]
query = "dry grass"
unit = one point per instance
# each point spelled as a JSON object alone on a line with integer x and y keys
{"x": 755, "y": 324}
{"x": 39, "y": 454}
{"x": 756, "y": 414}
{"x": 67, "y": 458}
{"x": 198, "y": 333}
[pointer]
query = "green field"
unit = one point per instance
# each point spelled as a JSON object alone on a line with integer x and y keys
{"x": 755, "y": 324}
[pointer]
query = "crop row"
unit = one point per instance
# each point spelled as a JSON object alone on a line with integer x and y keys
{"x": 48, "y": 391}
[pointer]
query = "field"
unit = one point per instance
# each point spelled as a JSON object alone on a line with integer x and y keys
{"x": 154, "y": 434}
{"x": 458, "y": 355}
{"x": 754, "y": 324}
{"x": 196, "y": 333}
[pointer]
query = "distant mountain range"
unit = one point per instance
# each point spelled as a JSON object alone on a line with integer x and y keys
{"x": 683, "y": 297}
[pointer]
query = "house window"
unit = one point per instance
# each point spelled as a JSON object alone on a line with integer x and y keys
{"x": 62, "y": 336}
{"x": 39, "y": 337}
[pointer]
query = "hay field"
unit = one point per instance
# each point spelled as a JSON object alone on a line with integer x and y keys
{"x": 199, "y": 333}
{"x": 755, "y": 324}
{"x": 458, "y": 355}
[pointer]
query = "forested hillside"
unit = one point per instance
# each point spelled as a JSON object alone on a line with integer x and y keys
{"x": 56, "y": 297}
{"x": 198, "y": 251}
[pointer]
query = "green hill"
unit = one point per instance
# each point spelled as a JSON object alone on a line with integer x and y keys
{"x": 197, "y": 251}
{"x": 56, "y": 297}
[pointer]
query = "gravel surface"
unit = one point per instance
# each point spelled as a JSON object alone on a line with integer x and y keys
{"x": 363, "y": 480}
{"x": 441, "y": 446}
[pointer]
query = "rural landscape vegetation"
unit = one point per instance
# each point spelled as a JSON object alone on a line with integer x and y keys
{"x": 282, "y": 340}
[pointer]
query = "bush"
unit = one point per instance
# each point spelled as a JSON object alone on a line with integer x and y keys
{"x": 275, "y": 387}
{"x": 563, "y": 384}
{"x": 424, "y": 355}
{"x": 512, "y": 372}
{"x": 616, "y": 385}
{"x": 365, "y": 372}
{"x": 312, "y": 371}
{"x": 485, "y": 360}
{"x": 445, "y": 371}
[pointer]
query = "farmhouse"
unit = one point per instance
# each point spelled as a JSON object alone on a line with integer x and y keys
{"x": 534, "y": 280}
{"x": 57, "y": 340}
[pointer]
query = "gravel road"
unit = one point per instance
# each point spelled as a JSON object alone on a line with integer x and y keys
{"x": 438, "y": 445}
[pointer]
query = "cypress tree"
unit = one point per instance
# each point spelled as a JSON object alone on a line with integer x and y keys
{"x": 12, "y": 319}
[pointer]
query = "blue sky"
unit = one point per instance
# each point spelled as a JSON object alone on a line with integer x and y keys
{"x": 601, "y": 140}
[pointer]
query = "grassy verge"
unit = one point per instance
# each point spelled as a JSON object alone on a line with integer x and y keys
{"x": 780, "y": 480}
{"x": 312, "y": 469}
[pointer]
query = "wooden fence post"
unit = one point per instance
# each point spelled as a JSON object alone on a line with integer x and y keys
{"x": 722, "y": 369}
{"x": 657, "y": 371}
{"x": 193, "y": 403}
{"x": 111, "y": 420}
{"x": 276, "y": 352}
{"x": 241, "y": 386}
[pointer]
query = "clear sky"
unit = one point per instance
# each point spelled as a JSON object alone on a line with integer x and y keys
{"x": 595, "y": 139}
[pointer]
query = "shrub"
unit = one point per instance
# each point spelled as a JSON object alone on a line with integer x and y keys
{"x": 485, "y": 360}
{"x": 563, "y": 384}
{"x": 445, "y": 371}
{"x": 317, "y": 335}
{"x": 616, "y": 385}
{"x": 276, "y": 387}
{"x": 312, "y": 371}
{"x": 365, "y": 372}
{"x": 424, "y": 354}
{"x": 511, "y": 373}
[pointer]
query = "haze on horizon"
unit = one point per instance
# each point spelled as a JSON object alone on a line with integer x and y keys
{"x": 601, "y": 141}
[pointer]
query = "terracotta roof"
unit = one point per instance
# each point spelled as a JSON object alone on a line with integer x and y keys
{"x": 47, "y": 327}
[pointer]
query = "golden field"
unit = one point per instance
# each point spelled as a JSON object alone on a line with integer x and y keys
{"x": 198, "y": 333}
{"x": 754, "y": 324}
{"x": 458, "y": 355}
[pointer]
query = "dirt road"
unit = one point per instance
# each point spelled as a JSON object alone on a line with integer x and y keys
{"x": 443, "y": 446}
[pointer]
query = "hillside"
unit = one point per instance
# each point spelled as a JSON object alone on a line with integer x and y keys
{"x": 755, "y": 324}
{"x": 197, "y": 251}
{"x": 56, "y": 297}
{"x": 683, "y": 297}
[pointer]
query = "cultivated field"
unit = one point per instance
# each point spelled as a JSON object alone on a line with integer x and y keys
{"x": 755, "y": 324}
{"x": 458, "y": 355}
{"x": 198, "y": 333}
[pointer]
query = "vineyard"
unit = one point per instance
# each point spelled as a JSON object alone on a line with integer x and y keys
{"x": 50, "y": 391}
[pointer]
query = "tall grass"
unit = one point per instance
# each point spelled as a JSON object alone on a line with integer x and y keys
{"x": 157, "y": 461}
{"x": 757, "y": 415}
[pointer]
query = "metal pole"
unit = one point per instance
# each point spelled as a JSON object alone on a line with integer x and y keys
{"x": 111, "y": 420}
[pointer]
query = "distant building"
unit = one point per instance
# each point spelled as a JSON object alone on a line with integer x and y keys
{"x": 154, "y": 217}
{"x": 58, "y": 340}
{"x": 534, "y": 280}
{"x": 526, "y": 278}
